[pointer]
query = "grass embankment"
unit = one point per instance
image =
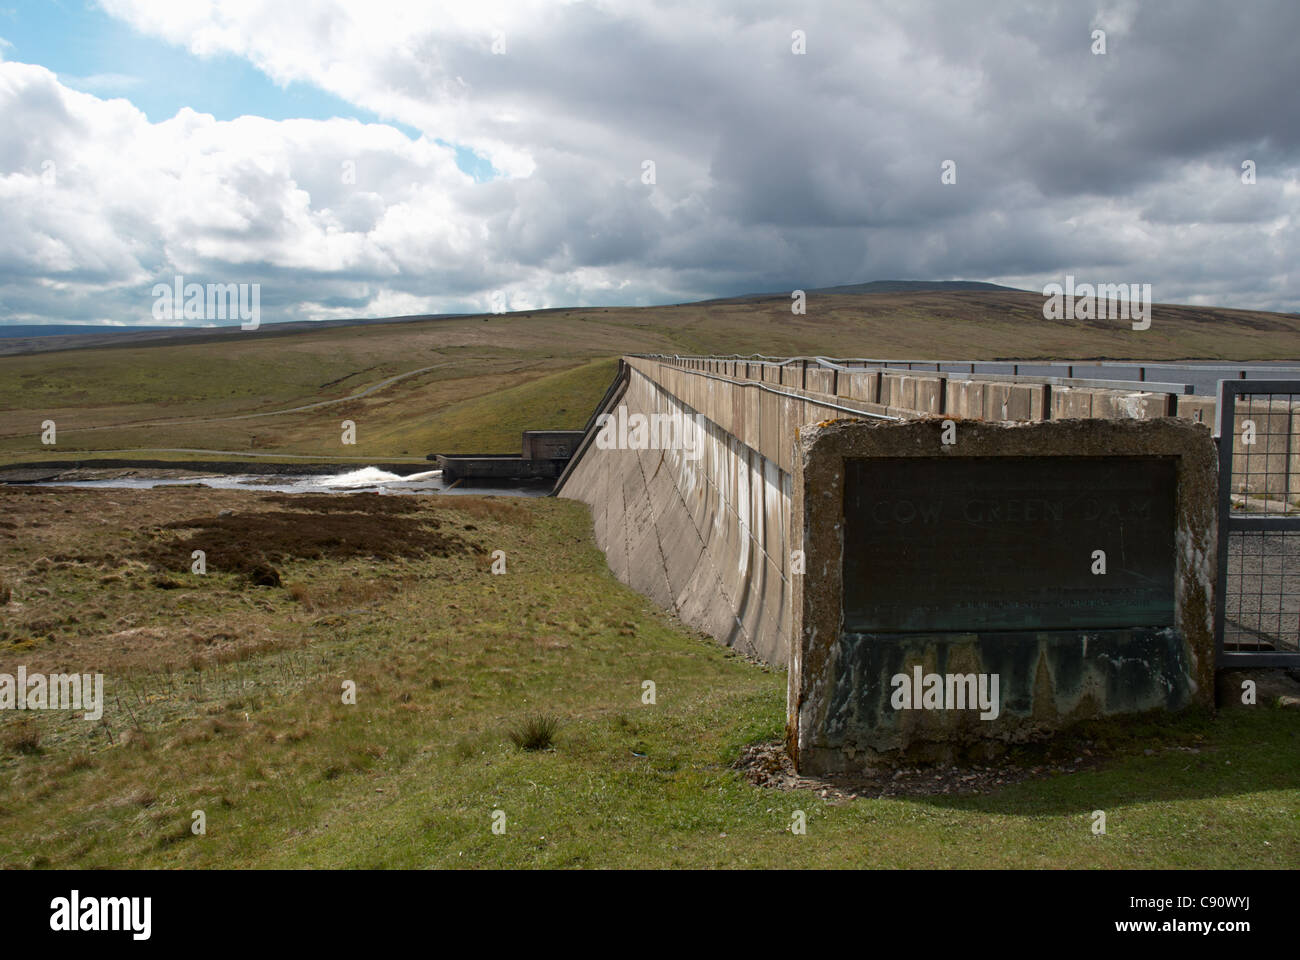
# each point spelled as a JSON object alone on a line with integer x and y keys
{"x": 482, "y": 405}
{"x": 227, "y": 698}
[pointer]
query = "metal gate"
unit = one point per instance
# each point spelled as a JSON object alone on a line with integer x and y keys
{"x": 1257, "y": 616}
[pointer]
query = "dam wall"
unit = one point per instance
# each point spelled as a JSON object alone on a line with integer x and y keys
{"x": 702, "y": 526}
{"x": 707, "y": 534}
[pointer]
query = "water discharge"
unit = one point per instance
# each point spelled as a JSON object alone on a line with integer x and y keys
{"x": 373, "y": 476}
{"x": 366, "y": 479}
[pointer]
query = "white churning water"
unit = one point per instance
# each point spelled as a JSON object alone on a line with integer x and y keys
{"x": 373, "y": 476}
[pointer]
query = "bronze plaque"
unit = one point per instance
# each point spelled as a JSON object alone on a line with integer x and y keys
{"x": 964, "y": 544}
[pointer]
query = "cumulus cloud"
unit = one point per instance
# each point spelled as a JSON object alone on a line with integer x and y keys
{"x": 771, "y": 169}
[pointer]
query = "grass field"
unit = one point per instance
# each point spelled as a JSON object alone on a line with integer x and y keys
{"x": 473, "y": 384}
{"x": 226, "y": 698}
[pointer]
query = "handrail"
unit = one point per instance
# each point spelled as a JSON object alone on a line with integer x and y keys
{"x": 882, "y": 366}
{"x": 1246, "y": 365}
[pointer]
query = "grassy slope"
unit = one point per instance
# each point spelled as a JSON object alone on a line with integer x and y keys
{"x": 494, "y": 422}
{"x": 227, "y": 699}
{"x": 116, "y": 399}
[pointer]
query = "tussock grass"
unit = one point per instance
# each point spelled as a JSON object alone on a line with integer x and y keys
{"x": 535, "y": 732}
{"x": 23, "y": 737}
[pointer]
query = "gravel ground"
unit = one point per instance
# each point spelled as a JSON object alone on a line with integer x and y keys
{"x": 1262, "y": 605}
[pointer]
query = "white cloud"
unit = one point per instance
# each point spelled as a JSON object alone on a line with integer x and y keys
{"x": 772, "y": 169}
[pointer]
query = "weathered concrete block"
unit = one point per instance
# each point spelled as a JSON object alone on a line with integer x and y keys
{"x": 965, "y": 398}
{"x": 847, "y": 707}
{"x": 820, "y": 380}
{"x": 998, "y": 403}
{"x": 1131, "y": 405}
{"x": 858, "y": 386}
{"x": 897, "y": 390}
{"x": 1071, "y": 403}
{"x": 1198, "y": 409}
{"x": 927, "y": 394}
{"x": 1007, "y": 401}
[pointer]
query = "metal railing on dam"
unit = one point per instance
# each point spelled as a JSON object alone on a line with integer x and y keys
{"x": 823, "y": 374}
{"x": 1197, "y": 378}
{"x": 958, "y": 387}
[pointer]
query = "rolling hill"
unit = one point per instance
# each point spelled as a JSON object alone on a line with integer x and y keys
{"x": 415, "y": 386}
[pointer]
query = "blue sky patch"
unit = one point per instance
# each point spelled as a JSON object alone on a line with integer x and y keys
{"x": 97, "y": 54}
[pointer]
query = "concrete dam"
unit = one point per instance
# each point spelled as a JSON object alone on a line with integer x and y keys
{"x": 879, "y": 532}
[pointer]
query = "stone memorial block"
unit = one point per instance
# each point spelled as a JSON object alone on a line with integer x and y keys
{"x": 998, "y": 587}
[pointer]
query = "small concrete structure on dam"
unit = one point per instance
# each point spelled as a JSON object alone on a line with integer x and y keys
{"x": 544, "y": 455}
{"x": 945, "y": 564}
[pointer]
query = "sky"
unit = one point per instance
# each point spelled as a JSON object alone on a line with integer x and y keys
{"x": 389, "y": 158}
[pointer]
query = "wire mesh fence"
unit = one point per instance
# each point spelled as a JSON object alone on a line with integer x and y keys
{"x": 1262, "y": 599}
{"x": 1258, "y": 615}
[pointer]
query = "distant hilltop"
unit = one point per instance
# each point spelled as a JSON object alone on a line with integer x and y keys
{"x": 100, "y": 330}
{"x": 68, "y": 329}
{"x": 914, "y": 286}
{"x": 892, "y": 286}
{"x": 968, "y": 319}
